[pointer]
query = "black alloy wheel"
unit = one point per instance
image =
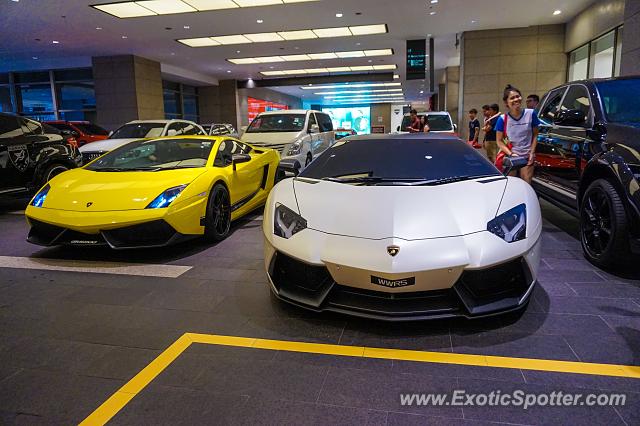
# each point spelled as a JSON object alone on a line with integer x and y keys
{"x": 218, "y": 218}
{"x": 603, "y": 225}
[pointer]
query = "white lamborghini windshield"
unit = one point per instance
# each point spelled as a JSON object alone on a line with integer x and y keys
{"x": 421, "y": 159}
{"x": 155, "y": 155}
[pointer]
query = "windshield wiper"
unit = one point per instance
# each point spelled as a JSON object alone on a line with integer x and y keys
{"x": 450, "y": 179}
{"x": 125, "y": 169}
{"x": 371, "y": 179}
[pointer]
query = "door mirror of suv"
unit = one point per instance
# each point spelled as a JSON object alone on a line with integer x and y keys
{"x": 240, "y": 158}
{"x": 314, "y": 128}
{"x": 570, "y": 117}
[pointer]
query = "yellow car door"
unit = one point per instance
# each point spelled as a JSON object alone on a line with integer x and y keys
{"x": 245, "y": 178}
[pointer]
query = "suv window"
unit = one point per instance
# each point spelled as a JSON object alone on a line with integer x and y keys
{"x": 312, "y": 121}
{"x": 577, "y": 98}
{"x": 550, "y": 107}
{"x": 190, "y": 129}
{"x": 325, "y": 123}
{"x": 9, "y": 127}
{"x": 226, "y": 150}
{"x": 174, "y": 129}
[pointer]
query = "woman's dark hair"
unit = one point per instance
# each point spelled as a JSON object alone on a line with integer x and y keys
{"x": 508, "y": 90}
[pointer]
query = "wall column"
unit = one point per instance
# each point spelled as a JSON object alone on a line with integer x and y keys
{"x": 631, "y": 39}
{"x": 127, "y": 88}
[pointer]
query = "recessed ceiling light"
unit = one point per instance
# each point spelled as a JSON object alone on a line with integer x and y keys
{"x": 228, "y": 71}
{"x": 396, "y": 76}
{"x": 211, "y": 4}
{"x": 125, "y": 10}
{"x": 173, "y": 53}
{"x": 232, "y": 39}
{"x": 557, "y": 12}
{"x": 338, "y": 15}
{"x": 55, "y": 42}
{"x": 33, "y": 57}
{"x": 357, "y": 85}
{"x": 432, "y": 13}
{"x": 327, "y": 70}
{"x": 370, "y": 61}
{"x": 263, "y": 37}
{"x": 332, "y": 32}
{"x": 124, "y": 36}
{"x": 199, "y": 42}
{"x": 297, "y": 35}
{"x": 98, "y": 28}
{"x": 473, "y": 21}
{"x": 421, "y": 92}
{"x": 186, "y": 27}
{"x": 259, "y": 21}
{"x": 320, "y": 56}
{"x": 434, "y": 1}
{"x": 351, "y": 54}
{"x": 369, "y": 29}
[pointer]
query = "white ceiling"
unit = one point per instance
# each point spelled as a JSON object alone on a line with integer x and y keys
{"x": 73, "y": 23}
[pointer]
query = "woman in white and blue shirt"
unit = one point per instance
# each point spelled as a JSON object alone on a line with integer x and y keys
{"x": 521, "y": 131}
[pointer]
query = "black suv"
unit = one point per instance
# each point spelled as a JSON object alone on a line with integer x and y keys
{"x": 31, "y": 154}
{"x": 588, "y": 162}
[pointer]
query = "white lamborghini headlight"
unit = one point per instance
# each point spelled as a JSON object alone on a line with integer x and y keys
{"x": 286, "y": 222}
{"x": 511, "y": 225}
{"x": 294, "y": 148}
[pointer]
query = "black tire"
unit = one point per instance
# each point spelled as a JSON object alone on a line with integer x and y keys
{"x": 308, "y": 160}
{"x": 52, "y": 171}
{"x": 218, "y": 217}
{"x": 603, "y": 225}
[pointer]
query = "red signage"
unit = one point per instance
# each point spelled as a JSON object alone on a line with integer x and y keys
{"x": 256, "y": 106}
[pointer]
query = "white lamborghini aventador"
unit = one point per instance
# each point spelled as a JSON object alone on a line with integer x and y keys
{"x": 403, "y": 227}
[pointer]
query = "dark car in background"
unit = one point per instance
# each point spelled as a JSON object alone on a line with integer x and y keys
{"x": 31, "y": 154}
{"x": 588, "y": 162}
{"x": 83, "y": 131}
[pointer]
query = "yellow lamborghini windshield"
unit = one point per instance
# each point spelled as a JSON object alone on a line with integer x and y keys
{"x": 154, "y": 155}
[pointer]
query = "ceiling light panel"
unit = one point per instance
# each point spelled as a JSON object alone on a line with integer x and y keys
{"x": 232, "y": 39}
{"x": 332, "y": 32}
{"x": 125, "y": 10}
{"x": 347, "y": 85}
{"x": 297, "y": 35}
{"x": 268, "y": 59}
{"x": 203, "y": 5}
{"x": 263, "y": 37}
{"x": 368, "y": 29}
{"x": 357, "y": 91}
{"x": 165, "y": 7}
{"x": 244, "y": 61}
{"x": 134, "y": 9}
{"x": 313, "y": 56}
{"x": 199, "y": 42}
{"x": 323, "y": 70}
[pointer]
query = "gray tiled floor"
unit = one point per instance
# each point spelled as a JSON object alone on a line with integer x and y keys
{"x": 68, "y": 341}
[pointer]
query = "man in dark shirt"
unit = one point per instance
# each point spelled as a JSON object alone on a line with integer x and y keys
{"x": 490, "y": 144}
{"x": 414, "y": 127}
{"x": 474, "y": 128}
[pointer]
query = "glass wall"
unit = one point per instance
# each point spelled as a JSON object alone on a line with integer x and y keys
{"x": 180, "y": 101}
{"x": 599, "y": 58}
{"x": 66, "y": 94}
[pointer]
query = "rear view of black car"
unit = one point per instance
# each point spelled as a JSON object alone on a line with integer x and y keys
{"x": 30, "y": 155}
{"x": 588, "y": 162}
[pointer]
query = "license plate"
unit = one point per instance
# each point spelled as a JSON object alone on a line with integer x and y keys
{"x": 403, "y": 282}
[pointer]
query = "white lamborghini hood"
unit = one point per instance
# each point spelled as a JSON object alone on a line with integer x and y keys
{"x": 105, "y": 145}
{"x": 407, "y": 212}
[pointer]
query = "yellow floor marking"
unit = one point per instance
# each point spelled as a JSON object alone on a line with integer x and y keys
{"x": 126, "y": 393}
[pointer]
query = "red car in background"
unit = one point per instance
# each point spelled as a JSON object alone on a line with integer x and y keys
{"x": 83, "y": 131}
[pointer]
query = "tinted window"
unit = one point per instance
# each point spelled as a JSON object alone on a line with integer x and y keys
{"x": 312, "y": 121}
{"x": 550, "y": 107}
{"x": 91, "y": 129}
{"x": 439, "y": 123}
{"x": 156, "y": 155}
{"x": 419, "y": 158}
{"x": 620, "y": 100}
{"x": 9, "y": 127}
{"x": 270, "y": 123}
{"x": 139, "y": 130}
{"x": 226, "y": 150}
{"x": 190, "y": 129}
{"x": 324, "y": 121}
{"x": 577, "y": 98}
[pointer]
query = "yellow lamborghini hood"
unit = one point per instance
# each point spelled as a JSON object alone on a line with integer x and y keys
{"x": 89, "y": 191}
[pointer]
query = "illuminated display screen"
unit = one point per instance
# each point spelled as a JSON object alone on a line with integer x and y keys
{"x": 256, "y": 106}
{"x": 356, "y": 118}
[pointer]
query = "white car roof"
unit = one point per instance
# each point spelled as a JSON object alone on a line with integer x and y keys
{"x": 158, "y": 121}
{"x": 429, "y": 113}
{"x": 290, "y": 111}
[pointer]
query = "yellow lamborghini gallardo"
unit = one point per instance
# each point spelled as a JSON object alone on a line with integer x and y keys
{"x": 152, "y": 193}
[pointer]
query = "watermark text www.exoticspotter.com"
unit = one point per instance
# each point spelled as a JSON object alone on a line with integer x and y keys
{"x": 518, "y": 398}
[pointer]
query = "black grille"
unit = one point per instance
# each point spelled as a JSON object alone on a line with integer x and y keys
{"x": 42, "y": 233}
{"x": 154, "y": 233}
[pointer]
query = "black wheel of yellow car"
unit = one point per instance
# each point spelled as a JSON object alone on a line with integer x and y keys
{"x": 218, "y": 218}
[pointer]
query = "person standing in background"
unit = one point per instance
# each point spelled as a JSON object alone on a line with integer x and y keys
{"x": 520, "y": 126}
{"x": 414, "y": 127}
{"x": 474, "y": 128}
{"x": 490, "y": 145}
{"x": 533, "y": 101}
